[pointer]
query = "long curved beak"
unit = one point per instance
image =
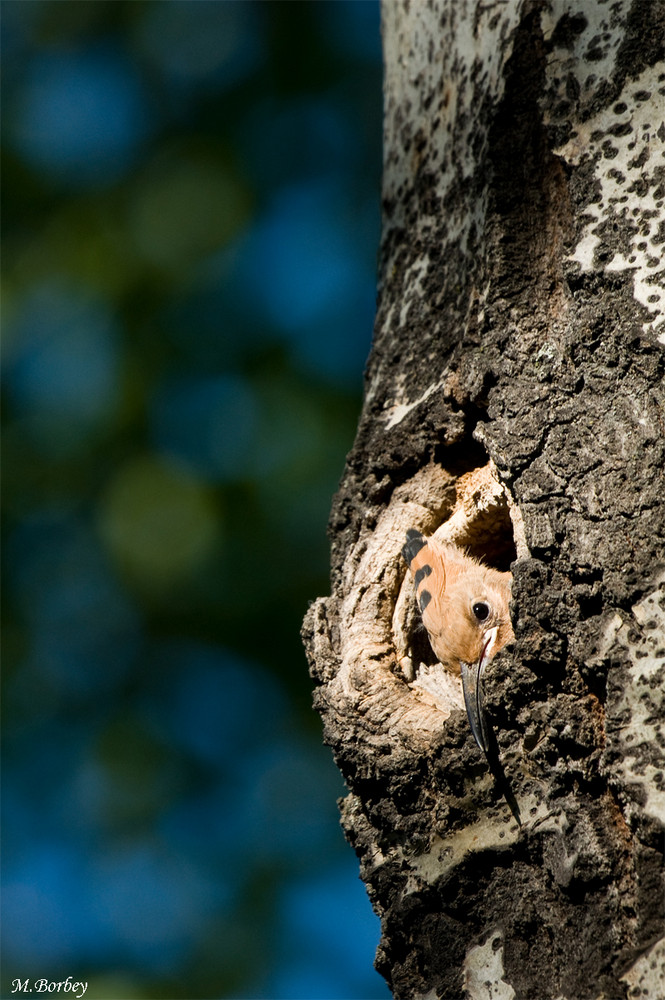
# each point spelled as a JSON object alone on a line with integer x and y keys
{"x": 472, "y": 685}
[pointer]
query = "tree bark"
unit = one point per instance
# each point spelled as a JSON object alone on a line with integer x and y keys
{"x": 514, "y": 402}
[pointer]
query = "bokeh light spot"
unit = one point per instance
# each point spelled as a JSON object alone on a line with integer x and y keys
{"x": 158, "y": 523}
{"x": 199, "y": 43}
{"x": 38, "y": 886}
{"x": 151, "y": 901}
{"x": 208, "y": 423}
{"x": 61, "y": 355}
{"x": 216, "y": 705}
{"x": 61, "y": 364}
{"x": 186, "y": 206}
{"x": 304, "y": 271}
{"x": 84, "y": 628}
{"x": 81, "y": 116}
{"x": 307, "y": 259}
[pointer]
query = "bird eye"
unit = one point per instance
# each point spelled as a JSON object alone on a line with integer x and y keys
{"x": 481, "y": 610}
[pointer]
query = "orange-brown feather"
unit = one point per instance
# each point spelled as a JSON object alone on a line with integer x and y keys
{"x": 455, "y": 582}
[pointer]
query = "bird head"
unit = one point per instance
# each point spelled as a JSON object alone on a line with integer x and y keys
{"x": 465, "y": 609}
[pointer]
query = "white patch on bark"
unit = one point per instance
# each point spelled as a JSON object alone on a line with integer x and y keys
{"x": 444, "y": 65}
{"x": 602, "y": 36}
{"x": 495, "y": 831}
{"x": 630, "y": 195}
{"x": 646, "y": 978}
{"x": 635, "y": 712}
{"x": 475, "y": 38}
{"x": 483, "y": 971}
{"x": 398, "y": 411}
{"x": 413, "y": 280}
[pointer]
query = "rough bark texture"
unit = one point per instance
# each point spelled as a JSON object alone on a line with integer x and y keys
{"x": 514, "y": 402}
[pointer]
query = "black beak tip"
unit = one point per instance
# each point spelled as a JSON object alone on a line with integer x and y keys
{"x": 473, "y": 699}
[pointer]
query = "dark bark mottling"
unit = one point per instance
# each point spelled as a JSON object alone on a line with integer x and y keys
{"x": 551, "y": 367}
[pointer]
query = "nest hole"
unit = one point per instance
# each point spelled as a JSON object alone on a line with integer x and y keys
{"x": 489, "y": 537}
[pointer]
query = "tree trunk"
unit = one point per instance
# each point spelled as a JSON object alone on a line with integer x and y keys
{"x": 514, "y": 402}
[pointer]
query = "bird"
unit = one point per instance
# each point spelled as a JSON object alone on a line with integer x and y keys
{"x": 465, "y": 608}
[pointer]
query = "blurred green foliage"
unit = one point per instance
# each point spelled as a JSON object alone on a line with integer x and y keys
{"x": 190, "y": 222}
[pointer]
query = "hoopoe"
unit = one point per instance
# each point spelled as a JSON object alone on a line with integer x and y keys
{"x": 464, "y": 607}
